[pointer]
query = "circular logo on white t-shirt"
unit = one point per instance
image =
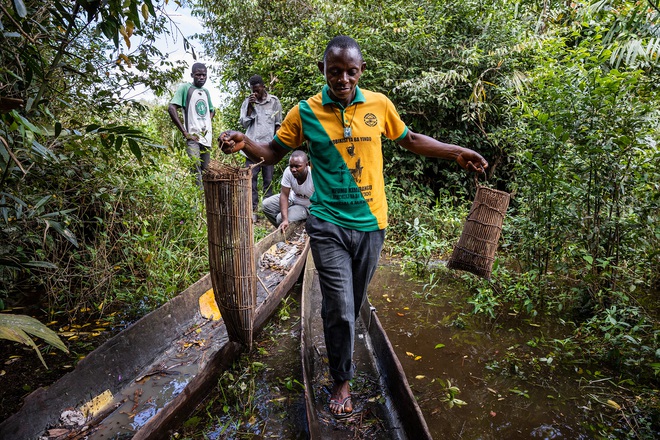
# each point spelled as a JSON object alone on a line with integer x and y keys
{"x": 200, "y": 107}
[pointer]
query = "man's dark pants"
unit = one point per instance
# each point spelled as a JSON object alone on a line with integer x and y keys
{"x": 346, "y": 261}
{"x": 267, "y": 175}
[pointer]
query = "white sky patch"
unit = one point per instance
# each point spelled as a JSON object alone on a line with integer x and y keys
{"x": 173, "y": 46}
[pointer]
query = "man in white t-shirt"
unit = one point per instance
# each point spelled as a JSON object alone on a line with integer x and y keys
{"x": 292, "y": 203}
{"x": 198, "y": 111}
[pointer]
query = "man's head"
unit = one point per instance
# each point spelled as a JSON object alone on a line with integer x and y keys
{"x": 298, "y": 163}
{"x": 257, "y": 86}
{"x": 198, "y": 74}
{"x": 342, "y": 67}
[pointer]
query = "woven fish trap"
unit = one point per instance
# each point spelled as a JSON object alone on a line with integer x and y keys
{"x": 228, "y": 194}
{"x": 475, "y": 251}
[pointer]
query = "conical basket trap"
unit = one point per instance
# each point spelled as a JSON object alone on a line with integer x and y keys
{"x": 228, "y": 194}
{"x": 475, "y": 251}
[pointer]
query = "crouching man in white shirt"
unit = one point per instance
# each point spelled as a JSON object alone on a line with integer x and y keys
{"x": 292, "y": 203}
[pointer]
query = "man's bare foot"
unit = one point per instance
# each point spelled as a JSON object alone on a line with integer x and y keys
{"x": 340, "y": 400}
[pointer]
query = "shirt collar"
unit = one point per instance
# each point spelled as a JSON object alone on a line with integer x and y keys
{"x": 359, "y": 97}
{"x": 266, "y": 99}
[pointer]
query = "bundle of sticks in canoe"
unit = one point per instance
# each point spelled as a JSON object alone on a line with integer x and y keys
{"x": 228, "y": 194}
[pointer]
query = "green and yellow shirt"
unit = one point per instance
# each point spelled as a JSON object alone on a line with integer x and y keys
{"x": 345, "y": 152}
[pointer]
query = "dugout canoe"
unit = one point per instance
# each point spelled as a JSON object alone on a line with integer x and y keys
{"x": 384, "y": 405}
{"x": 148, "y": 378}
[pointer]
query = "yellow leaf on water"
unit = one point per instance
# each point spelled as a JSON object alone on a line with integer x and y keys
{"x": 388, "y": 300}
{"x": 613, "y": 404}
{"x": 420, "y": 377}
{"x": 208, "y": 307}
{"x": 94, "y": 406}
{"x": 417, "y": 358}
{"x": 410, "y": 354}
{"x": 406, "y": 308}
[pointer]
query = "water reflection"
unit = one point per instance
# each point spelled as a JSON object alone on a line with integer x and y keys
{"x": 475, "y": 379}
{"x": 511, "y": 388}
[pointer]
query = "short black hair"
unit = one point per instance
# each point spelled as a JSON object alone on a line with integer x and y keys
{"x": 256, "y": 79}
{"x": 197, "y": 66}
{"x": 301, "y": 154}
{"x": 342, "y": 42}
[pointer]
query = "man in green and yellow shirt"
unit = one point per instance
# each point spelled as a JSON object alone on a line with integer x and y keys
{"x": 343, "y": 126}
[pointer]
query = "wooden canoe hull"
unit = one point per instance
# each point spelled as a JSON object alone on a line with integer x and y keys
{"x": 154, "y": 341}
{"x": 396, "y": 406}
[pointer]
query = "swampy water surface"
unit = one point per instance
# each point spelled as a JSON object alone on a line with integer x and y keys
{"x": 474, "y": 378}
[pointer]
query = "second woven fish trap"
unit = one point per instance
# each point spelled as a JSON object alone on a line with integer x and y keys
{"x": 475, "y": 251}
{"x": 228, "y": 194}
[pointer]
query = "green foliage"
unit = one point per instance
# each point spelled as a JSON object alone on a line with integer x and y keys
{"x": 587, "y": 167}
{"x": 450, "y": 393}
{"x": 419, "y": 230}
{"x": 16, "y": 328}
{"x": 63, "y": 122}
{"x": 440, "y": 62}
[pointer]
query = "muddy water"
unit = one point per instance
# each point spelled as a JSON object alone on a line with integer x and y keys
{"x": 499, "y": 390}
{"x": 441, "y": 344}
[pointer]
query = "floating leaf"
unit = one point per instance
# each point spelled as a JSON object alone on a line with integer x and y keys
{"x": 613, "y": 404}
{"x": 439, "y": 345}
{"x": 420, "y": 377}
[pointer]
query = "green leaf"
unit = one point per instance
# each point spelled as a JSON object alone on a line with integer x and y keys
{"x": 16, "y": 327}
{"x": 40, "y": 264}
{"x": 63, "y": 231}
{"x": 135, "y": 148}
{"x": 439, "y": 345}
{"x": 25, "y": 122}
{"x": 20, "y": 8}
{"x": 42, "y": 202}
